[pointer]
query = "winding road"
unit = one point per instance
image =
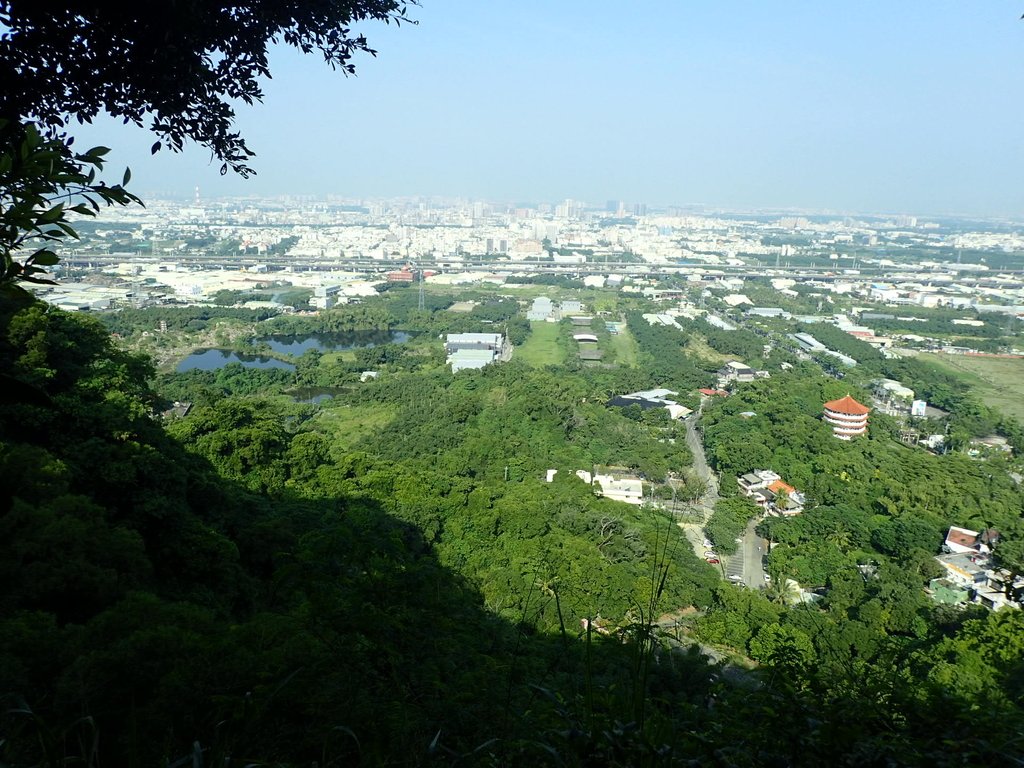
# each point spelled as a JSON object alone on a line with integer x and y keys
{"x": 746, "y": 566}
{"x": 706, "y": 503}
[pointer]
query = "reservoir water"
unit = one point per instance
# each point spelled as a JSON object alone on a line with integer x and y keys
{"x": 215, "y": 359}
{"x": 332, "y": 342}
{"x": 313, "y": 395}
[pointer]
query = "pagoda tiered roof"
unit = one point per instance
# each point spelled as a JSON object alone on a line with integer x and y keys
{"x": 848, "y": 406}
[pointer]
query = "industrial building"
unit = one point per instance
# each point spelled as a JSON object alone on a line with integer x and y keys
{"x": 653, "y": 398}
{"x": 473, "y": 350}
{"x": 811, "y": 345}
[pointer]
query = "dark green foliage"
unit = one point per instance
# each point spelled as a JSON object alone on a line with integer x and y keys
{"x": 41, "y": 181}
{"x": 205, "y": 387}
{"x": 728, "y": 521}
{"x": 496, "y": 311}
{"x": 302, "y": 594}
{"x": 298, "y": 298}
{"x": 663, "y": 357}
{"x": 226, "y": 298}
{"x": 742, "y": 344}
{"x": 516, "y": 417}
{"x": 240, "y": 587}
{"x": 84, "y": 59}
{"x": 356, "y": 317}
{"x": 130, "y": 321}
{"x": 840, "y": 341}
{"x": 544, "y": 278}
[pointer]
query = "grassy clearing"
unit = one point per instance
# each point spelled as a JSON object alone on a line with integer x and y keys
{"x": 697, "y": 346}
{"x": 624, "y": 347}
{"x": 345, "y": 356}
{"x": 999, "y": 382}
{"x": 348, "y": 424}
{"x": 542, "y": 347}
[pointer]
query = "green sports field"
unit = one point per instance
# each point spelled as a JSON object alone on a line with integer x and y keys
{"x": 541, "y": 348}
{"x": 999, "y": 382}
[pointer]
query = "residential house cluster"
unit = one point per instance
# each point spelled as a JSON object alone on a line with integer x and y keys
{"x": 971, "y": 574}
{"x": 773, "y": 494}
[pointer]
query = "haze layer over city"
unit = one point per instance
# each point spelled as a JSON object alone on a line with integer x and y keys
{"x": 873, "y": 108}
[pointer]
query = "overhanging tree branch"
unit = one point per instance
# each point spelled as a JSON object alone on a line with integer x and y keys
{"x": 177, "y": 65}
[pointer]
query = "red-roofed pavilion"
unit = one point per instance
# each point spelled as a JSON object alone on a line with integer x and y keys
{"x": 847, "y": 417}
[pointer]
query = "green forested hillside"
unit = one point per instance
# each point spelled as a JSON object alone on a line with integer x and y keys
{"x": 873, "y": 497}
{"x": 387, "y": 578}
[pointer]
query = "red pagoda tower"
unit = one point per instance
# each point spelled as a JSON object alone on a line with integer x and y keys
{"x": 847, "y": 417}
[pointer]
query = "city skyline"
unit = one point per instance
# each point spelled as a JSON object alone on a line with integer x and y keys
{"x": 874, "y": 109}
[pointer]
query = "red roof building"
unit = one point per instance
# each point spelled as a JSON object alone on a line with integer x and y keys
{"x": 961, "y": 540}
{"x": 780, "y": 485}
{"x": 847, "y": 417}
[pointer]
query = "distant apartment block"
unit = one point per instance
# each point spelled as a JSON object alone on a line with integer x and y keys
{"x": 327, "y": 296}
{"x": 542, "y": 310}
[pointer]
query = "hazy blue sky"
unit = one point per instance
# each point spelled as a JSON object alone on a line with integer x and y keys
{"x": 911, "y": 106}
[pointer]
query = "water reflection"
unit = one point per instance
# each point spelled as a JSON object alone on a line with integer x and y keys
{"x": 215, "y": 359}
{"x": 332, "y": 342}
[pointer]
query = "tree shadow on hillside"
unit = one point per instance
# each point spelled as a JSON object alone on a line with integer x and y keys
{"x": 282, "y": 630}
{"x": 152, "y": 611}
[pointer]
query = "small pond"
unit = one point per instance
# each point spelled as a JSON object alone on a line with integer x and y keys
{"x": 215, "y": 359}
{"x": 332, "y": 342}
{"x": 313, "y": 395}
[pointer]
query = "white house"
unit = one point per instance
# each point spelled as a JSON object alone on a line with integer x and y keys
{"x": 627, "y": 489}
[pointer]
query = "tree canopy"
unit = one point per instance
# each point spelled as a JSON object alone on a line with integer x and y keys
{"x": 181, "y": 66}
{"x": 178, "y": 64}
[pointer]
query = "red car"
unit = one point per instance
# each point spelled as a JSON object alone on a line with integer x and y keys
{"x": 713, "y": 561}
